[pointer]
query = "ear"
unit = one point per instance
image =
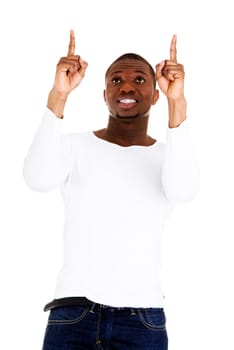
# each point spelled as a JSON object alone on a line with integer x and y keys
{"x": 104, "y": 95}
{"x": 155, "y": 97}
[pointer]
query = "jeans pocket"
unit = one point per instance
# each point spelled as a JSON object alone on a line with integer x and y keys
{"x": 67, "y": 315}
{"x": 153, "y": 318}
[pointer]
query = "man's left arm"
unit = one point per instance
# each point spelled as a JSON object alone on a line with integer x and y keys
{"x": 180, "y": 173}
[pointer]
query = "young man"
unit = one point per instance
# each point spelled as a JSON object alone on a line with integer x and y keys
{"x": 119, "y": 186}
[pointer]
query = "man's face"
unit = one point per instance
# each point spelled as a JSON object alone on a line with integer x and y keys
{"x": 130, "y": 89}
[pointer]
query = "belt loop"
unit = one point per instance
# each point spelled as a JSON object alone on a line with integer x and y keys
{"x": 133, "y": 312}
{"x": 92, "y": 308}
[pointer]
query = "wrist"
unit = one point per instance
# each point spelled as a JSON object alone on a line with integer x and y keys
{"x": 56, "y": 103}
{"x": 177, "y": 109}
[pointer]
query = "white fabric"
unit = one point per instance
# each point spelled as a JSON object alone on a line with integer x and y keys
{"x": 117, "y": 200}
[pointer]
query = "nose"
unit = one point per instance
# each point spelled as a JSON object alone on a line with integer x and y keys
{"x": 127, "y": 88}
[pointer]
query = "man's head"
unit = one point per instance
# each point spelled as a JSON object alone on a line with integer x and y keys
{"x": 130, "y": 87}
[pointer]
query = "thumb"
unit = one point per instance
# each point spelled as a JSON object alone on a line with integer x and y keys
{"x": 159, "y": 68}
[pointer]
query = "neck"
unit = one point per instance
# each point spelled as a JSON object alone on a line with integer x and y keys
{"x": 126, "y": 131}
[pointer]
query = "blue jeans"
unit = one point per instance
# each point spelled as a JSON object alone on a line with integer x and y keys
{"x": 100, "y": 327}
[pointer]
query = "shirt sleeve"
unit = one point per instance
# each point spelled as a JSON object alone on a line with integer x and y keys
{"x": 49, "y": 158}
{"x": 180, "y": 172}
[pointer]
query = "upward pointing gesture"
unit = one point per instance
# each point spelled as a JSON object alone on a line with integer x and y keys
{"x": 170, "y": 74}
{"x": 72, "y": 44}
{"x": 70, "y": 70}
{"x": 69, "y": 73}
{"x": 173, "y": 50}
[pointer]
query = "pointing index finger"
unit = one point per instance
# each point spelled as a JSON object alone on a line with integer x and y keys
{"x": 71, "y": 47}
{"x": 173, "y": 51}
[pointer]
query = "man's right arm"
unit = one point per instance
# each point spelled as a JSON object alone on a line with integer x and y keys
{"x": 49, "y": 158}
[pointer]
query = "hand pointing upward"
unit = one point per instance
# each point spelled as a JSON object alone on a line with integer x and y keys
{"x": 70, "y": 71}
{"x": 170, "y": 74}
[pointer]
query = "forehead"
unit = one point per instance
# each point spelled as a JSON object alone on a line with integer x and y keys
{"x": 130, "y": 65}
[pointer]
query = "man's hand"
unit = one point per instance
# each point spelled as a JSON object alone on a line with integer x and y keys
{"x": 70, "y": 70}
{"x": 170, "y": 78}
{"x": 170, "y": 74}
{"x": 69, "y": 73}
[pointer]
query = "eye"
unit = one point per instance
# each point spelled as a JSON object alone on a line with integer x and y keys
{"x": 140, "y": 80}
{"x": 116, "y": 80}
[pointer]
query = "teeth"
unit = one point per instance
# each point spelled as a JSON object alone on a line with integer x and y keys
{"x": 127, "y": 100}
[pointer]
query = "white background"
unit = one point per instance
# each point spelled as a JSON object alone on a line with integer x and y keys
{"x": 198, "y": 246}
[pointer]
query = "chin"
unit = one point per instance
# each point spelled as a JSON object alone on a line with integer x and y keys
{"x": 127, "y": 116}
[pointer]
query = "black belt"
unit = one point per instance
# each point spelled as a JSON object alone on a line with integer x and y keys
{"x": 70, "y": 301}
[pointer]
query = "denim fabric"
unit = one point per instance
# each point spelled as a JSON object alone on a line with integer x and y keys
{"x": 102, "y": 327}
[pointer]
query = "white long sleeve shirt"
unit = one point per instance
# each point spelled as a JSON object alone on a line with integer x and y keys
{"x": 117, "y": 200}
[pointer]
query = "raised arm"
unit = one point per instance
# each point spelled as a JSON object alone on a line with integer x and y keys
{"x": 180, "y": 176}
{"x": 49, "y": 158}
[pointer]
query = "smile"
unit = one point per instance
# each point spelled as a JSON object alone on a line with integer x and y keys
{"x": 127, "y": 101}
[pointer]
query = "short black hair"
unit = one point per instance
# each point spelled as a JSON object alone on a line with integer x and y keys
{"x": 133, "y": 56}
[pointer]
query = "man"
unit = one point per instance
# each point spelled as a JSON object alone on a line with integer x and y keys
{"x": 119, "y": 186}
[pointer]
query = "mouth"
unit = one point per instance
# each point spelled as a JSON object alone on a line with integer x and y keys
{"x": 127, "y": 102}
